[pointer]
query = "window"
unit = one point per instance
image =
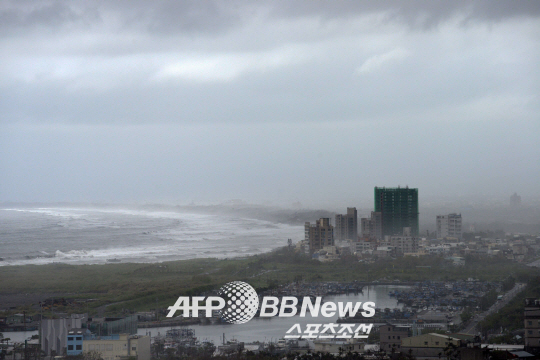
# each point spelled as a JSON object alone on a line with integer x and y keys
{"x": 79, "y": 337}
{"x": 425, "y": 342}
{"x": 70, "y": 338}
{"x": 134, "y": 348}
{"x": 70, "y": 347}
{"x": 398, "y": 337}
{"x": 109, "y": 347}
{"x": 389, "y": 338}
{"x": 436, "y": 343}
{"x": 102, "y": 347}
{"x": 78, "y": 347}
{"x": 92, "y": 347}
{"x": 530, "y": 322}
{"x": 529, "y": 332}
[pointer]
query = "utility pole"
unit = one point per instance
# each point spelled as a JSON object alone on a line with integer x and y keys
{"x": 40, "y": 331}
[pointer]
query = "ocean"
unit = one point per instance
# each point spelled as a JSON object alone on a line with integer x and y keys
{"x": 88, "y": 235}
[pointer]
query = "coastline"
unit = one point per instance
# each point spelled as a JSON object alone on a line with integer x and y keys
{"x": 102, "y": 235}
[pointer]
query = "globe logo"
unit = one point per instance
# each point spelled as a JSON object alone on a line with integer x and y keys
{"x": 241, "y": 302}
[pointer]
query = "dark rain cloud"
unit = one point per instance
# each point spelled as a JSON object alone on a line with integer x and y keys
{"x": 212, "y": 17}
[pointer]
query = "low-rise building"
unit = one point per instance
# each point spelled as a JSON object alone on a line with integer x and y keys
{"x": 429, "y": 345}
{"x": 119, "y": 347}
{"x": 532, "y": 325}
{"x": 75, "y": 339}
{"x": 385, "y": 251}
{"x": 54, "y": 332}
{"x": 403, "y": 244}
{"x": 358, "y": 247}
{"x": 391, "y": 336}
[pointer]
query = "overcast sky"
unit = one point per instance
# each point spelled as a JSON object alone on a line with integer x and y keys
{"x": 277, "y": 101}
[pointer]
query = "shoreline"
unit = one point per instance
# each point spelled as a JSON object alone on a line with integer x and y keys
{"x": 166, "y": 234}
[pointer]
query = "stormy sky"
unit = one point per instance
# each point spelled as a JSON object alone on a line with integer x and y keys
{"x": 268, "y": 101}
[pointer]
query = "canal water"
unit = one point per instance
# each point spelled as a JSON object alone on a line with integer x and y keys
{"x": 271, "y": 329}
{"x": 266, "y": 329}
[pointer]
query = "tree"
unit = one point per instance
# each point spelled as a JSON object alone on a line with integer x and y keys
{"x": 92, "y": 355}
{"x": 451, "y": 351}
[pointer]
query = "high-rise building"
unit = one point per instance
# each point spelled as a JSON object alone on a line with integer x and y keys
{"x": 319, "y": 235}
{"x": 515, "y": 200}
{"x": 398, "y": 208}
{"x": 346, "y": 227}
{"x": 449, "y": 226}
{"x": 372, "y": 227}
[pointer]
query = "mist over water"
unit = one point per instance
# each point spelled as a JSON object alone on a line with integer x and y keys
{"x": 98, "y": 236}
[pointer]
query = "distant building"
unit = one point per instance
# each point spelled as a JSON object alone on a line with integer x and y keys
{"x": 319, "y": 235}
{"x": 515, "y": 200}
{"x": 358, "y": 247}
{"x": 449, "y": 226}
{"x": 372, "y": 227}
{"x": 398, "y": 208}
{"x": 402, "y": 243}
{"x": 385, "y": 251}
{"x": 346, "y": 227}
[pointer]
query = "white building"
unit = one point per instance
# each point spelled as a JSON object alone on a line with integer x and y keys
{"x": 449, "y": 226}
{"x": 358, "y": 247}
{"x": 403, "y": 243}
{"x": 54, "y": 332}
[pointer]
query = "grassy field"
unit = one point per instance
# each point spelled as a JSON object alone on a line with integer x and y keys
{"x": 145, "y": 286}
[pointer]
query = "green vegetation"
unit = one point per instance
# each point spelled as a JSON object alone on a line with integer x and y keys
{"x": 145, "y": 286}
{"x": 510, "y": 317}
{"x": 466, "y": 315}
{"x": 488, "y": 299}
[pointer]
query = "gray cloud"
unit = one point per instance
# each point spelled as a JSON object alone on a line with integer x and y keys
{"x": 423, "y": 13}
{"x": 301, "y": 100}
{"x": 208, "y": 17}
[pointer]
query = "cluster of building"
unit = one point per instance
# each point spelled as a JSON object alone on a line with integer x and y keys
{"x": 112, "y": 338}
{"x": 409, "y": 340}
{"x": 392, "y": 230}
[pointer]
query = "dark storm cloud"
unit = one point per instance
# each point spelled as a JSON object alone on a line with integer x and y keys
{"x": 17, "y": 17}
{"x": 423, "y": 13}
{"x": 169, "y": 17}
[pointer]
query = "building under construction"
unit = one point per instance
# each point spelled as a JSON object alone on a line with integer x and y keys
{"x": 398, "y": 208}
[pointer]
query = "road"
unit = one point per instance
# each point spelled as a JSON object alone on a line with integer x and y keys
{"x": 470, "y": 329}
